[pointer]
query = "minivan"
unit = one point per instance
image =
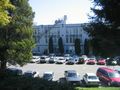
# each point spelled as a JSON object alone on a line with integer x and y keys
{"x": 108, "y": 76}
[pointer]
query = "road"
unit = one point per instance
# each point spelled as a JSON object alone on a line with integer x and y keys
{"x": 59, "y": 69}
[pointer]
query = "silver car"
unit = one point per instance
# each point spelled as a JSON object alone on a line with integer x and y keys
{"x": 90, "y": 79}
{"x": 72, "y": 77}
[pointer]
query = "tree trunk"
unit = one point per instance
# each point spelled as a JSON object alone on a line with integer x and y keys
{"x": 3, "y": 65}
{"x": 2, "y": 69}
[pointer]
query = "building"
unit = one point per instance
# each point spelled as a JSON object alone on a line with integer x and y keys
{"x": 68, "y": 32}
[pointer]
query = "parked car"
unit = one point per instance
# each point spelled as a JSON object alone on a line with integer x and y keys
{"x": 35, "y": 59}
{"x": 81, "y": 60}
{"x": 72, "y": 77}
{"x": 111, "y": 61}
{"x": 52, "y": 55}
{"x": 67, "y": 56}
{"x": 108, "y": 76}
{"x": 90, "y": 79}
{"x": 118, "y": 70}
{"x": 71, "y": 61}
{"x": 101, "y": 61}
{"x": 60, "y": 60}
{"x": 117, "y": 58}
{"x": 44, "y": 59}
{"x": 91, "y": 61}
{"x": 52, "y": 60}
{"x": 48, "y": 76}
{"x": 85, "y": 57}
{"x": 32, "y": 74}
{"x": 76, "y": 57}
{"x": 14, "y": 71}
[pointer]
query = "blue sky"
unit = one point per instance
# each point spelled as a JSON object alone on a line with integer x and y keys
{"x": 47, "y": 11}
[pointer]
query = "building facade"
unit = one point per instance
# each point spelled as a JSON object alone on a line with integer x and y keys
{"x": 68, "y": 33}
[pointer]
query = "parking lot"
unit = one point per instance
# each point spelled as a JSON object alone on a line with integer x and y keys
{"x": 59, "y": 69}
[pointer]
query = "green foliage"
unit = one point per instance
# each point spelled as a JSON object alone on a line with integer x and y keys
{"x": 16, "y": 38}
{"x": 105, "y": 27}
{"x": 4, "y": 16}
{"x": 61, "y": 46}
{"x": 102, "y": 88}
{"x": 86, "y": 47}
{"x": 24, "y": 83}
{"x": 77, "y": 46}
{"x": 51, "y": 50}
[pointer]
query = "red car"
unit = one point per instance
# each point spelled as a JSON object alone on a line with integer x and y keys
{"x": 101, "y": 61}
{"x": 91, "y": 61}
{"x": 108, "y": 76}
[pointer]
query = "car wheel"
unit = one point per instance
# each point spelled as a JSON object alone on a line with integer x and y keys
{"x": 109, "y": 84}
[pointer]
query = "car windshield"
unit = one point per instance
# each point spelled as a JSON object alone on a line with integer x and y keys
{"x": 47, "y": 75}
{"x": 72, "y": 75}
{"x": 42, "y": 57}
{"x": 119, "y": 72}
{"x": 92, "y": 77}
{"x": 61, "y": 59}
{"x": 91, "y": 59}
{"x": 71, "y": 59}
{"x": 114, "y": 75}
{"x": 28, "y": 74}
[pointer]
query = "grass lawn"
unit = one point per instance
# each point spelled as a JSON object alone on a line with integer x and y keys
{"x": 100, "y": 88}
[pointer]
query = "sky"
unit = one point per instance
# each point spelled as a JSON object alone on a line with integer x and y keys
{"x": 47, "y": 11}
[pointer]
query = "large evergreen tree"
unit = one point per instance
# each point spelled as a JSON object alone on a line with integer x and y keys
{"x": 4, "y": 16}
{"x": 16, "y": 40}
{"x": 77, "y": 46}
{"x": 105, "y": 27}
{"x": 60, "y": 45}
{"x": 51, "y": 50}
{"x": 86, "y": 47}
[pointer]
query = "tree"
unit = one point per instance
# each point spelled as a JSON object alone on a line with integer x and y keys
{"x": 104, "y": 27}
{"x": 61, "y": 46}
{"x": 4, "y": 16}
{"x": 16, "y": 40}
{"x": 77, "y": 46}
{"x": 86, "y": 47}
{"x": 51, "y": 50}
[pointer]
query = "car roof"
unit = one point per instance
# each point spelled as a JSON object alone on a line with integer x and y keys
{"x": 91, "y": 74}
{"x": 30, "y": 71}
{"x": 50, "y": 72}
{"x": 107, "y": 69}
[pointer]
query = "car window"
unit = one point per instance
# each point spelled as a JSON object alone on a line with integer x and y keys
{"x": 42, "y": 57}
{"x": 113, "y": 75}
{"x": 92, "y": 77}
{"x": 47, "y": 75}
{"x": 72, "y": 74}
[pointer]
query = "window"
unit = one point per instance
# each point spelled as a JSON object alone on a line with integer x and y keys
{"x": 114, "y": 75}
{"x": 92, "y": 77}
{"x": 46, "y": 39}
{"x": 70, "y": 39}
{"x": 66, "y": 38}
{"x": 72, "y": 75}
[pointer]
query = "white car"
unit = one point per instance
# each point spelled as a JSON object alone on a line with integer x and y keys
{"x": 90, "y": 79}
{"x": 35, "y": 59}
{"x": 60, "y": 60}
{"x": 67, "y": 56}
{"x": 32, "y": 74}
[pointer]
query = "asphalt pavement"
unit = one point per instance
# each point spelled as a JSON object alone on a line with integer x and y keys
{"x": 59, "y": 69}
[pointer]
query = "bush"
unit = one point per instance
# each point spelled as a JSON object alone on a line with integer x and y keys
{"x": 24, "y": 83}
